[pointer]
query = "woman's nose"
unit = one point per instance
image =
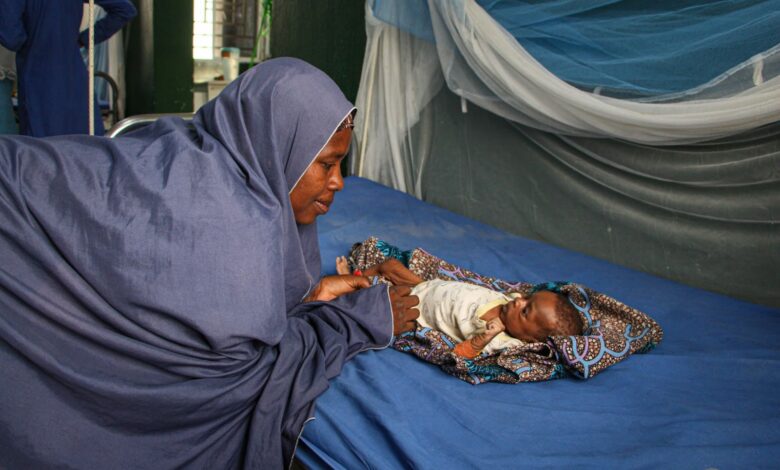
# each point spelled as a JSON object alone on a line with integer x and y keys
{"x": 336, "y": 182}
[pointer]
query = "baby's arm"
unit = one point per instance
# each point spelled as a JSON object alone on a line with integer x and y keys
{"x": 471, "y": 347}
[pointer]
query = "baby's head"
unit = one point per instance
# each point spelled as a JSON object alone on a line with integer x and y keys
{"x": 535, "y": 317}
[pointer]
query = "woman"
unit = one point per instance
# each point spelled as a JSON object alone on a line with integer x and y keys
{"x": 159, "y": 303}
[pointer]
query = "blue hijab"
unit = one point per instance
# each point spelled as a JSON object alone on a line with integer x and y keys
{"x": 151, "y": 286}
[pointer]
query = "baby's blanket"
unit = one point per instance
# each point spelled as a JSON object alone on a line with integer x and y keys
{"x": 612, "y": 330}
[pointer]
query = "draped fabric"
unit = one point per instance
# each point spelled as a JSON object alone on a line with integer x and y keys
{"x": 458, "y": 111}
{"x": 633, "y": 47}
{"x": 150, "y": 286}
{"x": 487, "y": 66}
{"x": 414, "y": 47}
{"x": 52, "y": 77}
{"x": 702, "y": 214}
{"x": 623, "y": 47}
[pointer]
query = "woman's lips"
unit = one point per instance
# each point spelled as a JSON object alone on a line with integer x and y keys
{"x": 322, "y": 207}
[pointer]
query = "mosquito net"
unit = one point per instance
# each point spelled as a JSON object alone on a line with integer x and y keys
{"x": 644, "y": 134}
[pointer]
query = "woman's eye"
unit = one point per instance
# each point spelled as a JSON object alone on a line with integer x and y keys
{"x": 327, "y": 166}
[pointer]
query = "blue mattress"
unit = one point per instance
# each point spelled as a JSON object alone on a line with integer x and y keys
{"x": 707, "y": 397}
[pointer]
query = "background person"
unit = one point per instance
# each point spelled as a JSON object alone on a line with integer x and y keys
{"x": 52, "y": 77}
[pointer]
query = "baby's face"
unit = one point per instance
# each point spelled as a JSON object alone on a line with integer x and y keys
{"x": 530, "y": 318}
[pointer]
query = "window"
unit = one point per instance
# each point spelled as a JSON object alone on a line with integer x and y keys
{"x": 229, "y": 23}
{"x": 203, "y": 30}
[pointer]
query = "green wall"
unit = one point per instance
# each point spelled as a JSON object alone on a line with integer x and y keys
{"x": 159, "y": 58}
{"x": 329, "y": 34}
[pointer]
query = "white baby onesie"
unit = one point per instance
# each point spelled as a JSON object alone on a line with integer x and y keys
{"x": 454, "y": 308}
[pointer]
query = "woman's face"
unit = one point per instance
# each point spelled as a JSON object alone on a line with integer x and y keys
{"x": 314, "y": 193}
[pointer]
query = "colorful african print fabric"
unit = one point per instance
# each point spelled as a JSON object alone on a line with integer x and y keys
{"x": 612, "y": 330}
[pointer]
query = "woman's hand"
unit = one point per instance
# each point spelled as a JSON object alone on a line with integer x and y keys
{"x": 395, "y": 272}
{"x": 331, "y": 287}
{"x": 404, "y": 313}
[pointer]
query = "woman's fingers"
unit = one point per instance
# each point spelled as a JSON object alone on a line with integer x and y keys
{"x": 404, "y": 301}
{"x": 358, "y": 282}
{"x": 404, "y": 313}
{"x": 400, "y": 291}
{"x": 331, "y": 287}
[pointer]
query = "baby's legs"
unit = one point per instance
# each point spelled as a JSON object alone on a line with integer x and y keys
{"x": 342, "y": 265}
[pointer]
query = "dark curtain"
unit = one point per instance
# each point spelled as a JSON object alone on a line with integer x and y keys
{"x": 707, "y": 215}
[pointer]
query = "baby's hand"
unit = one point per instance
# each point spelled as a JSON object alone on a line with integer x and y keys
{"x": 494, "y": 327}
{"x": 342, "y": 265}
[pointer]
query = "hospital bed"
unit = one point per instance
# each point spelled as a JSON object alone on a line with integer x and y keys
{"x": 138, "y": 121}
{"x": 706, "y": 397}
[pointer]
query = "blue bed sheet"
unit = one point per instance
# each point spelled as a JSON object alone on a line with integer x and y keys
{"x": 705, "y": 398}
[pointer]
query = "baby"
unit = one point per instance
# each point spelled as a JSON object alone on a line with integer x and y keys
{"x": 482, "y": 319}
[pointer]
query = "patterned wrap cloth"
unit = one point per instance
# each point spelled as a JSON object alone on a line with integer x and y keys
{"x": 612, "y": 330}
